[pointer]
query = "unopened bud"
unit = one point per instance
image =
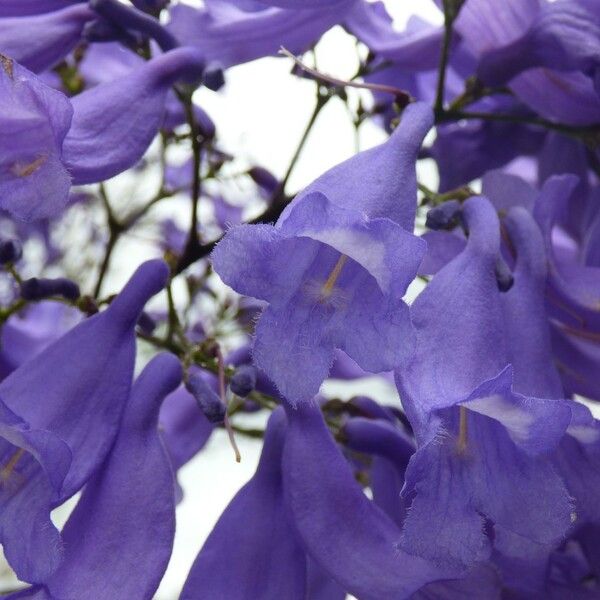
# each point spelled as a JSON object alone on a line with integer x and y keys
{"x": 146, "y": 323}
{"x": 39, "y": 289}
{"x": 444, "y": 216}
{"x": 264, "y": 179}
{"x": 243, "y": 380}
{"x": 10, "y": 251}
{"x": 208, "y": 401}
{"x": 213, "y": 78}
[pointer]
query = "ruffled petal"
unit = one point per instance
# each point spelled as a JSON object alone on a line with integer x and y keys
{"x": 246, "y": 260}
{"x": 34, "y": 184}
{"x": 34, "y": 465}
{"x": 291, "y": 348}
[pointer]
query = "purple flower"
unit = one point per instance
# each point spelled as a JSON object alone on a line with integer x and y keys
{"x": 533, "y": 45}
{"x": 40, "y": 41}
{"x": 227, "y": 34}
{"x": 127, "y": 509}
{"x": 114, "y": 123}
{"x": 50, "y": 449}
{"x": 34, "y": 182}
{"x": 564, "y": 36}
{"x": 335, "y": 266}
{"x": 95, "y": 136}
{"x": 347, "y": 535}
{"x": 255, "y": 528}
{"x": 483, "y": 434}
{"x": 18, "y": 8}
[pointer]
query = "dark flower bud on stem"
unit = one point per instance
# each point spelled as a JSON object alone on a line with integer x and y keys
{"x": 39, "y": 289}
{"x": 146, "y": 323}
{"x": 213, "y": 78}
{"x": 208, "y": 401}
{"x": 444, "y": 216}
{"x": 243, "y": 380}
{"x": 264, "y": 179}
{"x": 10, "y": 251}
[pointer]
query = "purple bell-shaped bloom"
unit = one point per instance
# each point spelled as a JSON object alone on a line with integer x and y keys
{"x": 114, "y": 123}
{"x": 346, "y": 534}
{"x": 483, "y": 435}
{"x": 34, "y": 182}
{"x": 60, "y": 413}
{"x": 129, "y": 498}
{"x": 335, "y": 266}
{"x": 255, "y": 529}
{"x": 93, "y": 137}
{"x": 40, "y": 41}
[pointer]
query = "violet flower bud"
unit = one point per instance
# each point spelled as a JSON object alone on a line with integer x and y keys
{"x": 264, "y": 179}
{"x": 146, "y": 323}
{"x": 10, "y": 251}
{"x": 208, "y": 401}
{"x": 243, "y": 380}
{"x": 444, "y": 216}
{"x": 213, "y": 78}
{"x": 40, "y": 288}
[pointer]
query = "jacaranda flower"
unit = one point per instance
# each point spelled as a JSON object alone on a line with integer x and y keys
{"x": 335, "y": 266}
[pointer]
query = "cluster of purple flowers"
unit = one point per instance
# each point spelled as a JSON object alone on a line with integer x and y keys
{"x": 484, "y": 483}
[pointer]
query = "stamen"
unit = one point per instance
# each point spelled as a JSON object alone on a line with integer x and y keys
{"x": 462, "y": 430}
{"x": 24, "y": 170}
{"x": 9, "y": 467}
{"x": 333, "y": 276}
{"x": 226, "y": 421}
